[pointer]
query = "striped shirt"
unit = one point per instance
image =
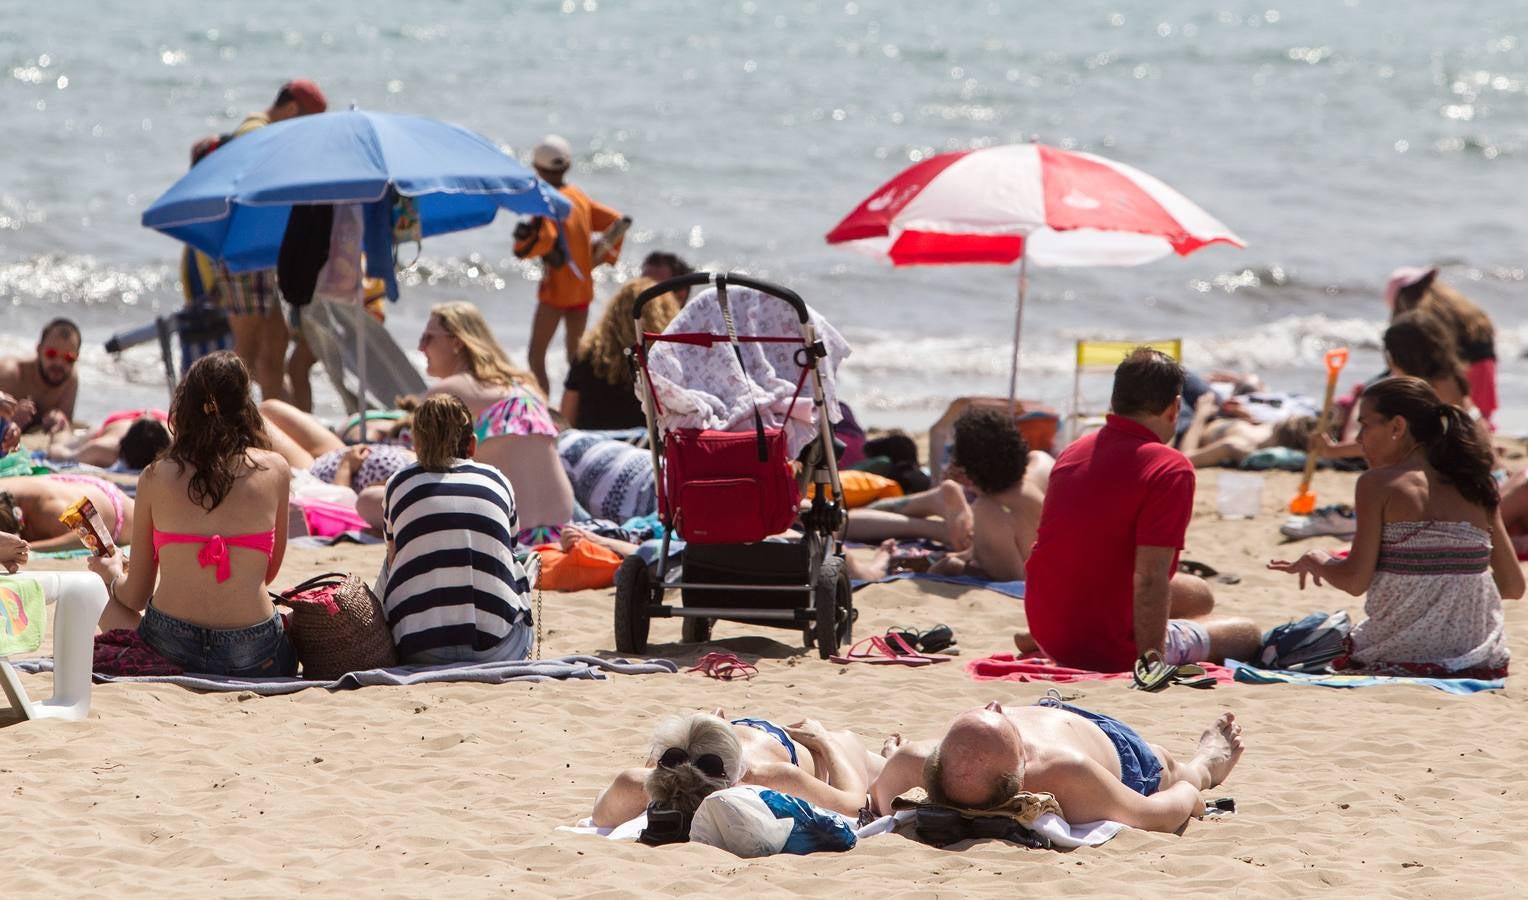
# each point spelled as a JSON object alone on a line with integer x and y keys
{"x": 454, "y": 580}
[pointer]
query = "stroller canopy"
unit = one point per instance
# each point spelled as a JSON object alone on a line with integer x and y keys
{"x": 702, "y": 387}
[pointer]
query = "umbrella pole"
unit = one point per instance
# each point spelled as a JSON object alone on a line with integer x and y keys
{"x": 360, "y": 362}
{"x": 1018, "y": 330}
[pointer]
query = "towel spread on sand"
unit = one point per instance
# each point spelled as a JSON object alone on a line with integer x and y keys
{"x": 1061, "y": 834}
{"x": 1014, "y": 589}
{"x": 590, "y": 668}
{"x": 1010, "y": 667}
{"x": 1253, "y": 675}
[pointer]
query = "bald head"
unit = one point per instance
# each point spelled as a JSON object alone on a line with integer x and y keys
{"x": 980, "y": 762}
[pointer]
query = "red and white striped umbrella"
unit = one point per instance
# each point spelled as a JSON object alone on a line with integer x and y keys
{"x": 1027, "y": 203}
{"x": 984, "y": 206}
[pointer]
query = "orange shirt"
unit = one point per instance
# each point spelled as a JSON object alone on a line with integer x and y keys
{"x": 571, "y": 285}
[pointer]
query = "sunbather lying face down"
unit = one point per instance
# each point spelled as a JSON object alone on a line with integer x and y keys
{"x": 697, "y": 754}
{"x": 1097, "y": 767}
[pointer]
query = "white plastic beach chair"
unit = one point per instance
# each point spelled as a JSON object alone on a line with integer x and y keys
{"x": 78, "y": 599}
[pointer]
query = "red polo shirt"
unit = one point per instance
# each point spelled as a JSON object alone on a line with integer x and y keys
{"x": 1111, "y": 491}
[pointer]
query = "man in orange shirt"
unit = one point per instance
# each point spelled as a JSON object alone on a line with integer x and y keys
{"x": 567, "y": 283}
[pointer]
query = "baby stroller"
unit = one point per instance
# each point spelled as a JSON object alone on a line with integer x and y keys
{"x": 725, "y": 492}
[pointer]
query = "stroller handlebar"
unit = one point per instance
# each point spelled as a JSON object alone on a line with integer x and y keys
{"x": 720, "y": 279}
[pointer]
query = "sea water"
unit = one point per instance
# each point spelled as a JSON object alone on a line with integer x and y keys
{"x": 1339, "y": 138}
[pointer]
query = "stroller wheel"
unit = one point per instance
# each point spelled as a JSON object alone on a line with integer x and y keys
{"x": 833, "y": 604}
{"x": 633, "y": 592}
{"x": 696, "y": 630}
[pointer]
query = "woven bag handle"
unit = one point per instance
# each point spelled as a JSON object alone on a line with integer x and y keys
{"x": 328, "y": 579}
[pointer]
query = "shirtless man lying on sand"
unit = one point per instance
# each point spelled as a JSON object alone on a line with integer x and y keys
{"x": 1095, "y": 766}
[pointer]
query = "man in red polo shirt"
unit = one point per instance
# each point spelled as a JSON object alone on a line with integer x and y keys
{"x": 1102, "y": 585}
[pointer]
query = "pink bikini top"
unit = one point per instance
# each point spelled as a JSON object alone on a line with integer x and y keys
{"x": 214, "y": 550}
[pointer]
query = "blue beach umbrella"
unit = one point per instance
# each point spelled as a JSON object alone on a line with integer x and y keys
{"x": 234, "y": 204}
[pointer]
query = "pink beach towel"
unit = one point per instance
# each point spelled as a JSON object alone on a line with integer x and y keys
{"x": 325, "y": 519}
{"x": 1008, "y": 667}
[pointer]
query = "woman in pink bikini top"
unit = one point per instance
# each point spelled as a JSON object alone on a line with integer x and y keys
{"x": 210, "y": 528}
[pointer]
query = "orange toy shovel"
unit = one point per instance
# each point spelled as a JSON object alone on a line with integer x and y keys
{"x": 1304, "y": 502}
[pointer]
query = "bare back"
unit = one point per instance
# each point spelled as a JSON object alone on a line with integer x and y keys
{"x": 476, "y": 395}
{"x": 543, "y": 494}
{"x": 1419, "y": 494}
{"x": 256, "y": 504}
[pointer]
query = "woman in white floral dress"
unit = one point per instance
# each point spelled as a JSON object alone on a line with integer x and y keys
{"x": 1430, "y": 550}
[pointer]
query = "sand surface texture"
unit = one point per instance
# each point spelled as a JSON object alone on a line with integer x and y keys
{"x": 455, "y": 790}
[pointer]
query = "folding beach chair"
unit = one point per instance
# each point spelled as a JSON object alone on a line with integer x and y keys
{"x": 1101, "y": 356}
{"x": 80, "y": 597}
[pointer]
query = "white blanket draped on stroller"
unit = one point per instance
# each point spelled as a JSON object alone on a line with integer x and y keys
{"x": 702, "y": 387}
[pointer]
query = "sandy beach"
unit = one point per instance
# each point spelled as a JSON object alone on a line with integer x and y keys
{"x": 458, "y": 789}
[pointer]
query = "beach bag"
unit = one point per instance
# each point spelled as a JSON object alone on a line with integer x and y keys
{"x": 1307, "y": 645}
{"x": 338, "y": 626}
{"x": 728, "y": 487}
{"x": 585, "y": 566}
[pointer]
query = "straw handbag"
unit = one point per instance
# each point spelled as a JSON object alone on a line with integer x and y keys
{"x": 338, "y": 626}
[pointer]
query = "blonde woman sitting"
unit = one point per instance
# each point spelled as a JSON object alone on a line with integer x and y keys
{"x": 512, "y": 423}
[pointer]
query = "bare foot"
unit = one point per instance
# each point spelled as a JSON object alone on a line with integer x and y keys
{"x": 1025, "y": 643}
{"x": 1219, "y": 748}
{"x": 958, "y": 520}
{"x": 892, "y": 742}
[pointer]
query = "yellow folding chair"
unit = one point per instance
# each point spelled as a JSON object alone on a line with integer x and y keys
{"x": 1098, "y": 356}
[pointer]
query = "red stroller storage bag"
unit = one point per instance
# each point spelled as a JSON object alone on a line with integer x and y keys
{"x": 719, "y": 492}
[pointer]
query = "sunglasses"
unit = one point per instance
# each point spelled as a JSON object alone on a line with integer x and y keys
{"x": 708, "y": 763}
{"x": 55, "y": 353}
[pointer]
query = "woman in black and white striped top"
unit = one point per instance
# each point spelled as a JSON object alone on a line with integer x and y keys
{"x": 453, "y": 591}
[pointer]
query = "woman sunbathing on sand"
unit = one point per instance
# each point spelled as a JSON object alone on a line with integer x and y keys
{"x": 514, "y": 427}
{"x": 1226, "y": 441}
{"x": 1431, "y": 549}
{"x": 212, "y": 519}
{"x": 695, "y": 755}
{"x": 31, "y": 504}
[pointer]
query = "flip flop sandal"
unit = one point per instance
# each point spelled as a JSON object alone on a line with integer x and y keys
{"x": 1150, "y": 673}
{"x": 936, "y": 639}
{"x": 1192, "y": 567}
{"x": 908, "y": 651}
{"x": 1153, "y": 674}
{"x": 723, "y": 666}
{"x": 877, "y": 650}
{"x": 932, "y": 640}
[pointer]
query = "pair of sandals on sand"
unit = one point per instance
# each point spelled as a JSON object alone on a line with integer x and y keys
{"x": 901, "y": 646}
{"x": 1152, "y": 674}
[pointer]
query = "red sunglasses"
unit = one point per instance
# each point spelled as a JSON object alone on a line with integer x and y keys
{"x": 55, "y": 353}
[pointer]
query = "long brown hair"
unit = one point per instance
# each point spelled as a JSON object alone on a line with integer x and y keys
{"x": 1419, "y": 344}
{"x": 442, "y": 432}
{"x": 1467, "y": 323}
{"x": 1455, "y": 446}
{"x": 486, "y": 359}
{"x": 604, "y": 346}
{"x": 215, "y": 423}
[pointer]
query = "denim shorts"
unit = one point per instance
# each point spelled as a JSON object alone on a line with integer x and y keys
{"x": 259, "y": 651}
